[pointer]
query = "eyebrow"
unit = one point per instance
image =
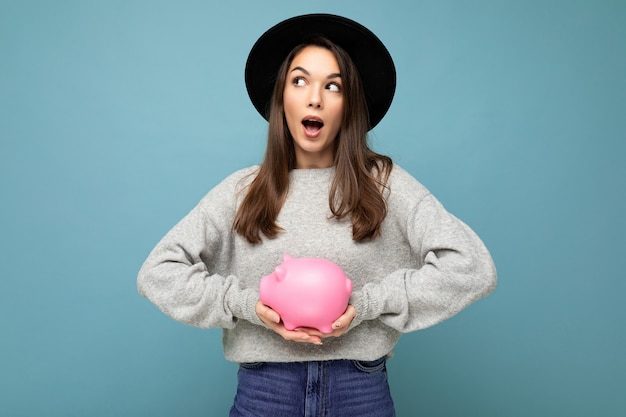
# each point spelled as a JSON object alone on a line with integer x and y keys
{"x": 330, "y": 76}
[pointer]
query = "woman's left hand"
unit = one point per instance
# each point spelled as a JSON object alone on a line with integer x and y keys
{"x": 340, "y": 326}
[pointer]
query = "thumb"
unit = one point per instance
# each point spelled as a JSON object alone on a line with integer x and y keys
{"x": 268, "y": 313}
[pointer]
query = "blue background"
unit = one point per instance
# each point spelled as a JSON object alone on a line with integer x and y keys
{"x": 116, "y": 117}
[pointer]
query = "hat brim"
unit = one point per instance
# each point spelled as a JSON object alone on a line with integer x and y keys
{"x": 368, "y": 53}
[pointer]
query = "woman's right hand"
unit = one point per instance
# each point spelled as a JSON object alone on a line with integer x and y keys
{"x": 273, "y": 321}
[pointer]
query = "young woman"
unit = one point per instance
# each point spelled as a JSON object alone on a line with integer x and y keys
{"x": 322, "y": 82}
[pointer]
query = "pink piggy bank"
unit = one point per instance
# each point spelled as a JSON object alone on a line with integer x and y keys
{"x": 307, "y": 292}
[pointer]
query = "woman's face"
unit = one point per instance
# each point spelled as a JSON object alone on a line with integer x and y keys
{"x": 313, "y": 103}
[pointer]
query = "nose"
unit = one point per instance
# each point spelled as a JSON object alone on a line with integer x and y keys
{"x": 315, "y": 99}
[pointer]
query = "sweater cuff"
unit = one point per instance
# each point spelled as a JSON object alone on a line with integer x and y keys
{"x": 243, "y": 306}
{"x": 367, "y": 303}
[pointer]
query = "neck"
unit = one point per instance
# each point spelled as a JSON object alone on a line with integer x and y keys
{"x": 314, "y": 163}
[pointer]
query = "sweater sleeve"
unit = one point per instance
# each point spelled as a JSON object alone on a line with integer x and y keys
{"x": 180, "y": 278}
{"x": 453, "y": 268}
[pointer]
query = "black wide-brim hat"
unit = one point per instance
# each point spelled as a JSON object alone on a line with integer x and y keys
{"x": 370, "y": 56}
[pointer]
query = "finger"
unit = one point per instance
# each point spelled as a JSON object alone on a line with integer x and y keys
{"x": 319, "y": 334}
{"x": 345, "y": 319}
{"x": 310, "y": 331}
{"x": 338, "y": 324}
{"x": 272, "y": 315}
{"x": 301, "y": 336}
{"x": 292, "y": 335}
{"x": 267, "y": 313}
{"x": 306, "y": 338}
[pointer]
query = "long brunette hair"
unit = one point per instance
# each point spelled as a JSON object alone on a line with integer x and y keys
{"x": 360, "y": 173}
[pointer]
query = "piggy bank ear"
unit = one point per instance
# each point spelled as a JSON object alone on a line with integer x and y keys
{"x": 349, "y": 286}
{"x": 280, "y": 273}
{"x": 287, "y": 258}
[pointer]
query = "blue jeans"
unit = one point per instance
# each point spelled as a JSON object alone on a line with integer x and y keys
{"x": 342, "y": 388}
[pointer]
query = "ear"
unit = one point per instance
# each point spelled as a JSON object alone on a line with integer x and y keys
{"x": 287, "y": 257}
{"x": 280, "y": 273}
{"x": 349, "y": 286}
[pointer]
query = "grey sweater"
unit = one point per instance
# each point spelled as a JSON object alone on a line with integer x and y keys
{"x": 424, "y": 268}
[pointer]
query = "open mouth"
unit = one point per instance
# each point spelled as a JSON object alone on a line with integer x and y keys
{"x": 313, "y": 125}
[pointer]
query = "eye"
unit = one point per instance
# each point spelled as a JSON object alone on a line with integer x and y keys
{"x": 334, "y": 87}
{"x": 299, "y": 81}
